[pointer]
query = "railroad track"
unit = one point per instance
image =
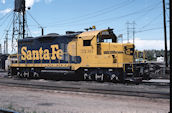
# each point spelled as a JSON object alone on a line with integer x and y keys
{"x": 82, "y": 88}
{"x": 161, "y": 84}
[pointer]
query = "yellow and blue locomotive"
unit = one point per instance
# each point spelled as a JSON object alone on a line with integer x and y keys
{"x": 92, "y": 55}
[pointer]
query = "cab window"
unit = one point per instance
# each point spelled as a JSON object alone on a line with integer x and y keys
{"x": 86, "y": 42}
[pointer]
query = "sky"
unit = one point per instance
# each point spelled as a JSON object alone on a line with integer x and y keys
{"x": 59, "y": 16}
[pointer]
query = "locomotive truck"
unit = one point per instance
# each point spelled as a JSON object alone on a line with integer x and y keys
{"x": 91, "y": 55}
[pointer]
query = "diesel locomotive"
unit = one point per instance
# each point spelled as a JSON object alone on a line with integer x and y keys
{"x": 91, "y": 55}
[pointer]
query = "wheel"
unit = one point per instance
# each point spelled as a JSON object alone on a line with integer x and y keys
{"x": 99, "y": 78}
{"x": 118, "y": 76}
{"x": 114, "y": 78}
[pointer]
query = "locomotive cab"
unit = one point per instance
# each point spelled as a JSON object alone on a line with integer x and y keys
{"x": 101, "y": 52}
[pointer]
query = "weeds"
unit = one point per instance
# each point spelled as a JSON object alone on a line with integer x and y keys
{"x": 22, "y": 110}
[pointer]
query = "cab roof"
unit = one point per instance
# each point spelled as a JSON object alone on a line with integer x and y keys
{"x": 90, "y": 34}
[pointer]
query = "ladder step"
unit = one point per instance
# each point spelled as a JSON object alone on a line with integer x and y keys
{"x": 129, "y": 73}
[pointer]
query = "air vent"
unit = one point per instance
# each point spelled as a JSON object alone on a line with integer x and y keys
{"x": 53, "y": 34}
{"x": 70, "y": 32}
{"x": 73, "y": 32}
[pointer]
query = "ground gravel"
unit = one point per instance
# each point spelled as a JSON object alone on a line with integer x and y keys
{"x": 46, "y": 101}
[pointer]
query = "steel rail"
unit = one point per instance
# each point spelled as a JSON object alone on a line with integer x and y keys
{"x": 128, "y": 92}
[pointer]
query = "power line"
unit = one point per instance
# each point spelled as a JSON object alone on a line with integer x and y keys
{"x": 147, "y": 12}
{"x": 7, "y": 27}
{"x": 6, "y": 37}
{"x": 129, "y": 14}
{"x": 10, "y": 24}
{"x": 5, "y": 16}
{"x": 27, "y": 27}
{"x": 28, "y": 30}
{"x": 93, "y": 16}
{"x": 97, "y": 21}
{"x": 112, "y": 18}
{"x": 42, "y": 28}
{"x": 156, "y": 28}
{"x": 151, "y": 21}
{"x": 5, "y": 19}
{"x": 145, "y": 30}
{"x": 35, "y": 20}
{"x": 97, "y": 13}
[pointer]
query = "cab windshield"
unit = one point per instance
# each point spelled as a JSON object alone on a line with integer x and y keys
{"x": 107, "y": 36}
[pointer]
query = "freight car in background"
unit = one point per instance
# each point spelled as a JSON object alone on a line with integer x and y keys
{"x": 3, "y": 57}
{"x": 91, "y": 55}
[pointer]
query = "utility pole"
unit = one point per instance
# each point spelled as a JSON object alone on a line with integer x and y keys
{"x": 128, "y": 30}
{"x": 134, "y": 31}
{"x": 165, "y": 34}
{"x": 19, "y": 23}
{"x": 42, "y": 29}
{"x": 6, "y": 43}
{"x": 24, "y": 8}
{"x": 4, "y": 47}
{"x": 0, "y": 49}
{"x": 170, "y": 6}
